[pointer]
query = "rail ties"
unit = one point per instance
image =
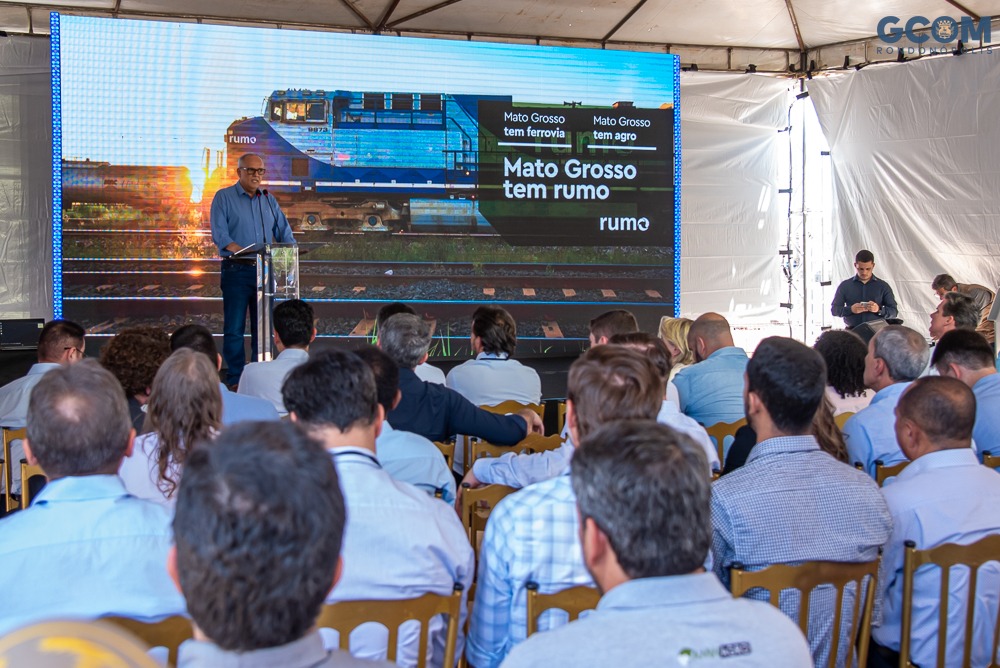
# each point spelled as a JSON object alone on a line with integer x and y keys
{"x": 363, "y": 328}
{"x": 528, "y": 292}
{"x": 567, "y": 292}
{"x": 654, "y": 294}
{"x": 489, "y": 292}
{"x": 608, "y": 293}
{"x": 551, "y": 329}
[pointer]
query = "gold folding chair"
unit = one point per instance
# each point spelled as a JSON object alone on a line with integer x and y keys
{"x": 561, "y": 416}
{"x": 9, "y": 436}
{"x": 505, "y": 407}
{"x": 480, "y": 448}
{"x": 944, "y": 557}
{"x": 346, "y": 616}
{"x": 573, "y": 601}
{"x": 28, "y": 471}
{"x": 720, "y": 430}
{"x": 807, "y": 576}
{"x": 169, "y": 633}
{"x": 448, "y": 450}
{"x": 991, "y": 460}
{"x": 842, "y": 419}
{"x": 883, "y": 472}
{"x": 539, "y": 443}
{"x": 64, "y": 643}
{"x": 477, "y": 504}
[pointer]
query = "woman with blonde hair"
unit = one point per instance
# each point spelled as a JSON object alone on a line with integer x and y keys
{"x": 184, "y": 409}
{"x": 674, "y": 332}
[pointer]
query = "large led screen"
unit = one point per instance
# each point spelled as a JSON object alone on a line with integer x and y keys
{"x": 444, "y": 174}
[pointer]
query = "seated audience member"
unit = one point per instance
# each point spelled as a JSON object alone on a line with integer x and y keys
{"x": 824, "y": 428}
{"x": 943, "y": 496}
{"x": 606, "y": 325}
{"x": 955, "y": 311}
{"x": 968, "y": 357}
{"x": 646, "y": 526}
{"x": 533, "y": 533}
{"x": 133, "y": 356}
{"x": 85, "y": 548}
{"x": 399, "y": 542}
{"x": 235, "y": 407}
{"x": 791, "y": 502}
{"x": 424, "y": 371}
{"x": 711, "y": 390}
{"x": 185, "y": 408}
{"x": 60, "y": 344}
{"x": 981, "y": 295}
{"x": 674, "y": 332}
{"x": 255, "y": 555}
{"x": 896, "y": 356}
{"x": 294, "y": 330}
{"x": 493, "y": 377}
{"x": 406, "y": 457}
{"x": 436, "y": 412}
{"x": 844, "y": 353}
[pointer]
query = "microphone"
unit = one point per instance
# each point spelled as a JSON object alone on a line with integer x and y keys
{"x": 274, "y": 216}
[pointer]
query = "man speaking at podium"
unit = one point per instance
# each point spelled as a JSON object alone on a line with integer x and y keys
{"x": 864, "y": 296}
{"x": 243, "y": 215}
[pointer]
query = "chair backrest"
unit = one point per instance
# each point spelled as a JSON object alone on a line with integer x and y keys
{"x": 448, "y": 450}
{"x": 573, "y": 601}
{"x": 807, "y": 576}
{"x": 477, "y": 504}
{"x": 346, "y": 616}
{"x": 9, "y": 436}
{"x": 65, "y": 643}
{"x": 720, "y": 430}
{"x": 883, "y": 472}
{"x": 539, "y": 443}
{"x": 505, "y": 407}
{"x": 561, "y": 416}
{"x": 28, "y": 473}
{"x": 480, "y": 448}
{"x": 945, "y": 556}
{"x": 842, "y": 419}
{"x": 169, "y": 633}
{"x": 990, "y": 460}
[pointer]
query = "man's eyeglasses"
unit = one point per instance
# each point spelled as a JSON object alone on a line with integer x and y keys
{"x": 79, "y": 350}
{"x": 254, "y": 172}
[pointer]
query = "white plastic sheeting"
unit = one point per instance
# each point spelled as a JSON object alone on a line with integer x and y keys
{"x": 25, "y": 178}
{"x": 733, "y": 220}
{"x": 917, "y": 172}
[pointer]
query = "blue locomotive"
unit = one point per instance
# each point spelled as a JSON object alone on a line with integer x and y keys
{"x": 349, "y": 161}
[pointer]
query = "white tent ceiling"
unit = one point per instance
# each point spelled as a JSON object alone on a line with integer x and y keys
{"x": 725, "y": 34}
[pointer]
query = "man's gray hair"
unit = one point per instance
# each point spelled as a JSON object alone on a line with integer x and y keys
{"x": 903, "y": 350}
{"x": 405, "y": 338}
{"x": 242, "y": 162}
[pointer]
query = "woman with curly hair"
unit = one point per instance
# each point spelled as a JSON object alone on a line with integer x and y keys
{"x": 134, "y": 355}
{"x": 674, "y": 332}
{"x": 185, "y": 409}
{"x": 844, "y": 353}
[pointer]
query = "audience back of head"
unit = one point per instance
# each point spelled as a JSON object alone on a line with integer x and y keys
{"x": 964, "y": 348}
{"x": 903, "y": 351}
{"x": 78, "y": 421}
{"x": 606, "y": 325}
{"x": 386, "y": 375}
{"x": 652, "y": 347}
{"x": 294, "y": 322}
{"x": 708, "y": 333}
{"x": 944, "y": 409}
{"x": 332, "y": 389}
{"x": 57, "y": 338}
{"x": 844, "y": 354}
{"x": 405, "y": 338}
{"x": 390, "y": 310}
{"x": 644, "y": 486}
{"x": 258, "y": 530}
{"x": 134, "y": 355}
{"x": 789, "y": 379}
{"x": 197, "y": 338}
{"x": 674, "y": 332}
{"x": 496, "y": 330}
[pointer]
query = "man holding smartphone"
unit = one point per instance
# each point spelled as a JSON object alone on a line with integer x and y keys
{"x": 864, "y": 296}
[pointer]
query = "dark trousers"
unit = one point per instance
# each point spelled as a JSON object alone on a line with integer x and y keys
{"x": 239, "y": 294}
{"x": 882, "y": 657}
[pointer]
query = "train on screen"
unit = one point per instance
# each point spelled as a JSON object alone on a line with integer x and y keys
{"x": 149, "y": 189}
{"x": 356, "y": 161}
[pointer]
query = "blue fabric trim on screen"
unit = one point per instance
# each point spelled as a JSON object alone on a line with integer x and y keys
{"x": 677, "y": 186}
{"x": 57, "y": 278}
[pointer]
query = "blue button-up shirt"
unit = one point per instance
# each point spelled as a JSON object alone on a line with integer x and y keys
{"x": 711, "y": 391}
{"x": 532, "y": 535}
{"x": 870, "y": 434}
{"x": 791, "y": 502}
{"x": 242, "y": 407}
{"x": 85, "y": 549}
{"x": 942, "y": 497}
{"x": 247, "y": 220}
{"x": 986, "y": 433}
{"x": 852, "y": 291}
{"x": 412, "y": 458}
{"x": 14, "y": 395}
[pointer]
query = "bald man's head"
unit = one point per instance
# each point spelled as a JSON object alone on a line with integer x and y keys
{"x": 710, "y": 332}
{"x": 935, "y": 413}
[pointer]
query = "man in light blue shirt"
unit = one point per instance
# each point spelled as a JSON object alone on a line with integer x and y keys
{"x": 294, "y": 330}
{"x": 399, "y": 542}
{"x": 532, "y": 534}
{"x": 644, "y": 541}
{"x": 243, "y": 215}
{"x": 235, "y": 407}
{"x": 84, "y": 548}
{"x": 405, "y": 456}
{"x": 967, "y": 355}
{"x": 943, "y": 496}
{"x": 897, "y": 355}
{"x": 711, "y": 391}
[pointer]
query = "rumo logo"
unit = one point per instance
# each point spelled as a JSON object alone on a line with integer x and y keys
{"x": 943, "y": 29}
{"x": 624, "y": 224}
{"x": 242, "y": 139}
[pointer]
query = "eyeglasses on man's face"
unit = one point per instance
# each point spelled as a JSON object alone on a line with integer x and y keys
{"x": 254, "y": 172}
{"x": 79, "y": 350}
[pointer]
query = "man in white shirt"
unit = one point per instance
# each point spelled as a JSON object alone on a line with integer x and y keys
{"x": 294, "y": 330}
{"x": 943, "y": 496}
{"x": 493, "y": 376}
{"x": 424, "y": 371}
{"x": 399, "y": 542}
